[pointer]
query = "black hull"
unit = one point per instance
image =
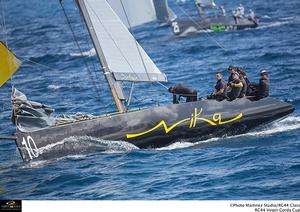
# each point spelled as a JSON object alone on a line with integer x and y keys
{"x": 162, "y": 126}
{"x": 185, "y": 27}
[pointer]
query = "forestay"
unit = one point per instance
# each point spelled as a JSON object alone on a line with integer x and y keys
{"x": 125, "y": 58}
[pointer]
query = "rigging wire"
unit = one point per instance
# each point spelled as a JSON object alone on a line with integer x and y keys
{"x": 205, "y": 31}
{"x": 36, "y": 63}
{"x": 109, "y": 34}
{"x": 97, "y": 76}
{"x": 140, "y": 55}
{"x": 162, "y": 85}
{"x": 135, "y": 41}
{"x": 122, "y": 54}
{"x": 137, "y": 46}
{"x": 98, "y": 92}
{"x": 130, "y": 96}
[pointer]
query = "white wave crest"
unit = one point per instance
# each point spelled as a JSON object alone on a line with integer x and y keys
{"x": 177, "y": 145}
{"x": 288, "y": 124}
{"x": 54, "y": 87}
{"x": 45, "y": 162}
{"x": 288, "y": 18}
{"x": 265, "y": 17}
{"x": 35, "y": 164}
{"x": 84, "y": 143}
{"x": 274, "y": 24}
{"x": 90, "y": 53}
{"x": 181, "y": 1}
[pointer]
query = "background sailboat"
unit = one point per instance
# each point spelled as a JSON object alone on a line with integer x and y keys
{"x": 218, "y": 20}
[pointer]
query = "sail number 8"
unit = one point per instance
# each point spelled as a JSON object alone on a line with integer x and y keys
{"x": 30, "y": 147}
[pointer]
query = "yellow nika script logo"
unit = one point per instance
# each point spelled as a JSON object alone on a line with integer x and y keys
{"x": 193, "y": 120}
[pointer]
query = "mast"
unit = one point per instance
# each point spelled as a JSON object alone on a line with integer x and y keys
{"x": 115, "y": 86}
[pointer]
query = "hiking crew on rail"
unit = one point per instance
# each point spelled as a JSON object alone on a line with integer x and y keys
{"x": 238, "y": 86}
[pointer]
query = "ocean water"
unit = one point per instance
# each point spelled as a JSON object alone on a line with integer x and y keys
{"x": 262, "y": 164}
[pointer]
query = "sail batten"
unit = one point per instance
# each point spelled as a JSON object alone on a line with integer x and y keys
{"x": 125, "y": 58}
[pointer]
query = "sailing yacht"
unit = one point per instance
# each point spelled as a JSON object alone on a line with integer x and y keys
{"x": 123, "y": 59}
{"x": 212, "y": 23}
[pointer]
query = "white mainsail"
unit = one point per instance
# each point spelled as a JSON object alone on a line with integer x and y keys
{"x": 125, "y": 58}
{"x": 138, "y": 11}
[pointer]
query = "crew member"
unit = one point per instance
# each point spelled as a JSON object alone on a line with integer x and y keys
{"x": 235, "y": 87}
{"x": 261, "y": 90}
{"x": 200, "y": 8}
{"x": 239, "y": 13}
{"x": 245, "y": 81}
{"x": 232, "y": 71}
{"x": 220, "y": 89}
{"x": 244, "y": 88}
{"x": 223, "y": 11}
{"x": 181, "y": 91}
{"x": 251, "y": 15}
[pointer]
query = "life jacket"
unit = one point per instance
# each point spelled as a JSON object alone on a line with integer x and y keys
{"x": 235, "y": 89}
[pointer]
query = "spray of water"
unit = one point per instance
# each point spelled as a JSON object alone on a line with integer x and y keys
{"x": 288, "y": 124}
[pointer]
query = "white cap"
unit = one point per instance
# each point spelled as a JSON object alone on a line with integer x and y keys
{"x": 263, "y": 71}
